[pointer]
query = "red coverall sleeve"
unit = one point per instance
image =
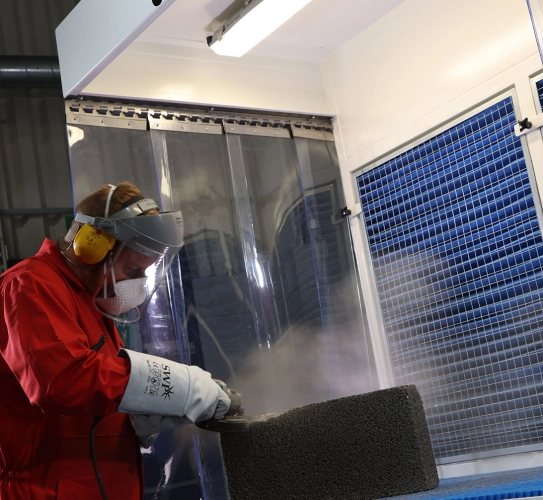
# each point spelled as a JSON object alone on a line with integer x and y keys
{"x": 49, "y": 353}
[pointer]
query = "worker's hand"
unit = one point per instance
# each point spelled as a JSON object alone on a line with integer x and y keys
{"x": 205, "y": 399}
{"x": 158, "y": 386}
{"x": 148, "y": 427}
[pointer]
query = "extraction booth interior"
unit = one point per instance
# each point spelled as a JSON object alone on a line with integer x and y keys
{"x": 361, "y": 207}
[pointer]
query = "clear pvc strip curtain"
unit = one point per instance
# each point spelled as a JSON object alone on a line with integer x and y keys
{"x": 349, "y": 363}
{"x": 194, "y": 174}
{"x": 309, "y": 325}
{"x": 264, "y": 294}
{"x": 108, "y": 155}
{"x": 286, "y": 367}
{"x": 457, "y": 256}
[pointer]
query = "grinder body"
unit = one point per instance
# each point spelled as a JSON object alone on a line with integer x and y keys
{"x": 234, "y": 420}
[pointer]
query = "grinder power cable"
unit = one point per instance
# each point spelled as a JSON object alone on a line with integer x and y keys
{"x": 234, "y": 420}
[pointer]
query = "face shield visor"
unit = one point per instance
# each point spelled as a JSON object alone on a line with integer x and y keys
{"x": 145, "y": 249}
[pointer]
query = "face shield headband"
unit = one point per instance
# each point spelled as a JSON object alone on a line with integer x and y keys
{"x": 148, "y": 234}
{"x": 145, "y": 249}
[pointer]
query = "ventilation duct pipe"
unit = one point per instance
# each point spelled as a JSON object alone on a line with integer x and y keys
{"x": 29, "y": 72}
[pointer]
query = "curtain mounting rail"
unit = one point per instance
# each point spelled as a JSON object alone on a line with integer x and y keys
{"x": 142, "y": 112}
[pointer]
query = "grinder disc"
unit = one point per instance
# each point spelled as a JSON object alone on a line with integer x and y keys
{"x": 234, "y": 423}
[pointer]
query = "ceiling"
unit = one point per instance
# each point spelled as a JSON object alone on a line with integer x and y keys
{"x": 311, "y": 35}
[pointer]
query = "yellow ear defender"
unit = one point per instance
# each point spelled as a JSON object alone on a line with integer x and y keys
{"x": 92, "y": 245}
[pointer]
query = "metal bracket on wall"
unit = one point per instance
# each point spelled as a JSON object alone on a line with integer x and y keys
{"x": 256, "y": 130}
{"x": 319, "y": 133}
{"x": 105, "y": 115}
{"x": 183, "y": 123}
{"x": 355, "y": 211}
{"x": 528, "y": 124}
{"x": 123, "y": 115}
{"x": 346, "y": 213}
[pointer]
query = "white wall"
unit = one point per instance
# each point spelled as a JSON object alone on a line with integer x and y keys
{"x": 421, "y": 65}
{"x": 172, "y": 73}
{"x": 425, "y": 62}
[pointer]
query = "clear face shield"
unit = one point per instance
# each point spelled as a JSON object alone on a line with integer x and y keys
{"x": 145, "y": 249}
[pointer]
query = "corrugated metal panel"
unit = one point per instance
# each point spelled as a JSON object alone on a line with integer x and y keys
{"x": 27, "y": 27}
{"x": 34, "y": 167}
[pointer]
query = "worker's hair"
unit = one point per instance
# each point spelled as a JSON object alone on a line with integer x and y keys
{"x": 94, "y": 204}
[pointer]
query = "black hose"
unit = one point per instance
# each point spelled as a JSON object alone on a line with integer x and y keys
{"x": 94, "y": 460}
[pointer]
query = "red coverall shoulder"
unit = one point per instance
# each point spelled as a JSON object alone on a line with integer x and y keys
{"x": 54, "y": 383}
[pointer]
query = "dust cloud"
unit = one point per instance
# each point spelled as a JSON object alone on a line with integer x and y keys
{"x": 311, "y": 364}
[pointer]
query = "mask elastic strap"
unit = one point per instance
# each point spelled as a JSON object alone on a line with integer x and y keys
{"x": 112, "y": 278}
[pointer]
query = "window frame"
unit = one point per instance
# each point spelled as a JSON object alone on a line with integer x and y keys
{"x": 377, "y": 327}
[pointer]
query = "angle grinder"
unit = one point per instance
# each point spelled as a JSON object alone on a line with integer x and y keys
{"x": 234, "y": 420}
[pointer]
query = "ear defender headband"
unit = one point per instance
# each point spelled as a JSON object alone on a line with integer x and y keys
{"x": 91, "y": 245}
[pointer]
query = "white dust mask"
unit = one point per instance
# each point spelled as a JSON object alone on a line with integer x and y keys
{"x": 128, "y": 295}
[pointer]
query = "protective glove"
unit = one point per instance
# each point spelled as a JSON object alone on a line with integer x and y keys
{"x": 148, "y": 427}
{"x": 158, "y": 386}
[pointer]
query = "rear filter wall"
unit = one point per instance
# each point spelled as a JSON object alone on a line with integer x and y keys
{"x": 367, "y": 446}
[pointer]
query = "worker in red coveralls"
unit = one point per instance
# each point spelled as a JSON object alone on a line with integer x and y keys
{"x": 76, "y": 405}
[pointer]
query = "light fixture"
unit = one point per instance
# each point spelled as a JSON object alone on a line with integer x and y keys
{"x": 254, "y": 22}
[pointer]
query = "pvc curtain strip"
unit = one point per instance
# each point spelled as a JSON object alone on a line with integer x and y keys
{"x": 457, "y": 256}
{"x": 257, "y": 276}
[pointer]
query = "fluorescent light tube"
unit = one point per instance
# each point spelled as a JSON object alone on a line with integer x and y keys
{"x": 252, "y": 24}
